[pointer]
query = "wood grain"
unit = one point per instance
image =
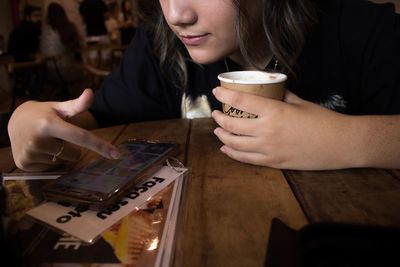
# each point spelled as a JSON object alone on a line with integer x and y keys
{"x": 358, "y": 196}
{"x": 175, "y": 131}
{"x": 231, "y": 205}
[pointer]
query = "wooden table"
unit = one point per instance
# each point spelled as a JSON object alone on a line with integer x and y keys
{"x": 231, "y": 204}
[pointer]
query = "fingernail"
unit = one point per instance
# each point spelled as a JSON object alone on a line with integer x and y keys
{"x": 114, "y": 154}
{"x": 213, "y": 91}
{"x": 223, "y": 149}
{"x": 216, "y": 131}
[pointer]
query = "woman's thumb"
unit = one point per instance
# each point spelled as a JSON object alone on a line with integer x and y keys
{"x": 70, "y": 108}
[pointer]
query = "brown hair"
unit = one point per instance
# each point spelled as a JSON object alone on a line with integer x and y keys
{"x": 58, "y": 20}
{"x": 285, "y": 24}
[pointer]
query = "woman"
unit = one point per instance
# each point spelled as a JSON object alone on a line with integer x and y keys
{"x": 342, "y": 54}
{"x": 61, "y": 40}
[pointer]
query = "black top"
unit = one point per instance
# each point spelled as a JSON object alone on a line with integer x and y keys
{"x": 24, "y": 41}
{"x": 93, "y": 12}
{"x": 350, "y": 63}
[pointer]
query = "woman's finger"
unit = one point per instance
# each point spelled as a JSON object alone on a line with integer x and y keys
{"x": 54, "y": 146}
{"x": 46, "y": 159}
{"x": 234, "y": 125}
{"x": 64, "y": 150}
{"x": 237, "y": 142}
{"x": 69, "y": 152}
{"x": 63, "y": 130}
{"x": 246, "y": 102}
{"x": 246, "y": 157}
{"x": 81, "y": 137}
{"x": 37, "y": 167}
{"x": 70, "y": 108}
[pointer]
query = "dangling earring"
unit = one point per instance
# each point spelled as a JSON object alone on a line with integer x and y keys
{"x": 276, "y": 63}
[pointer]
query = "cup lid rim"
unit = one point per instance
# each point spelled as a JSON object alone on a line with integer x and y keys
{"x": 279, "y": 77}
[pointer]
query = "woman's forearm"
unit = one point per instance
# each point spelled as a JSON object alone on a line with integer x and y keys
{"x": 377, "y": 141}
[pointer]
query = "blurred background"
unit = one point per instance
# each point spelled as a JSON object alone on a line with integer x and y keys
{"x": 54, "y": 49}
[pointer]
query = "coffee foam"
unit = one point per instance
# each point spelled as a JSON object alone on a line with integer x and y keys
{"x": 252, "y": 77}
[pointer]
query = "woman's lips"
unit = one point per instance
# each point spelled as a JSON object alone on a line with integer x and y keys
{"x": 194, "y": 39}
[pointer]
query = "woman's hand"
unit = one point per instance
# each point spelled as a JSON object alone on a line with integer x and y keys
{"x": 40, "y": 130}
{"x": 289, "y": 134}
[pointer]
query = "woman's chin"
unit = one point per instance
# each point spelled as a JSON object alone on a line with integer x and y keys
{"x": 204, "y": 57}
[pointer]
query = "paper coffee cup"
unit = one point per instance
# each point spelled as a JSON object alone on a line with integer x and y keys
{"x": 260, "y": 83}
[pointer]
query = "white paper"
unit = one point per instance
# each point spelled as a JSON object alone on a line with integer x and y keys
{"x": 87, "y": 225}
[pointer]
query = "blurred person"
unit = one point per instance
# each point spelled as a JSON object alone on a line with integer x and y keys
{"x": 71, "y": 8}
{"x": 93, "y": 14}
{"x": 112, "y": 23}
{"x": 128, "y": 22}
{"x": 60, "y": 39}
{"x": 23, "y": 42}
{"x": 23, "y": 45}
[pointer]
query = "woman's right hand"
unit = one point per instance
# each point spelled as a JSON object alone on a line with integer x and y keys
{"x": 39, "y": 130}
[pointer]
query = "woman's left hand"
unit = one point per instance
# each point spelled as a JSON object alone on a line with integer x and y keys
{"x": 288, "y": 134}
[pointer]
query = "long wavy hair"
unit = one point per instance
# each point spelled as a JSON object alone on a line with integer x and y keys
{"x": 57, "y": 19}
{"x": 285, "y": 24}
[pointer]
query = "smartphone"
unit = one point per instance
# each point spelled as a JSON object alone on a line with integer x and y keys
{"x": 104, "y": 181}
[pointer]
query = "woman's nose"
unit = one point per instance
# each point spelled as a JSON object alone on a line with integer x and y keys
{"x": 180, "y": 12}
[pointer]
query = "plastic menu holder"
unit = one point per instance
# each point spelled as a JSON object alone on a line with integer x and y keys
{"x": 151, "y": 235}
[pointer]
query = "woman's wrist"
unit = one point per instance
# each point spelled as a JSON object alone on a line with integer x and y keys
{"x": 376, "y": 141}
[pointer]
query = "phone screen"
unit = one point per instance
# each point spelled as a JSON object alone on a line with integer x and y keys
{"x": 107, "y": 176}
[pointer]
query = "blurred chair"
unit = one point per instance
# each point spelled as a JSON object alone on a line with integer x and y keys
{"x": 97, "y": 69}
{"x": 24, "y": 81}
{"x": 56, "y": 84}
{"x": 28, "y": 78}
{"x": 117, "y": 52}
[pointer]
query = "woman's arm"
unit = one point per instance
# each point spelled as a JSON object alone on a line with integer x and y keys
{"x": 296, "y": 134}
{"x": 39, "y": 130}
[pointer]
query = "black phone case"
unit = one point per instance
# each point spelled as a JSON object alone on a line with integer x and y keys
{"x": 96, "y": 201}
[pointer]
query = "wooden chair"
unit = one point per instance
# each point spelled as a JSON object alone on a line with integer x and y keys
{"x": 9, "y": 98}
{"x": 96, "y": 73}
{"x": 56, "y": 87}
{"x": 23, "y": 71}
